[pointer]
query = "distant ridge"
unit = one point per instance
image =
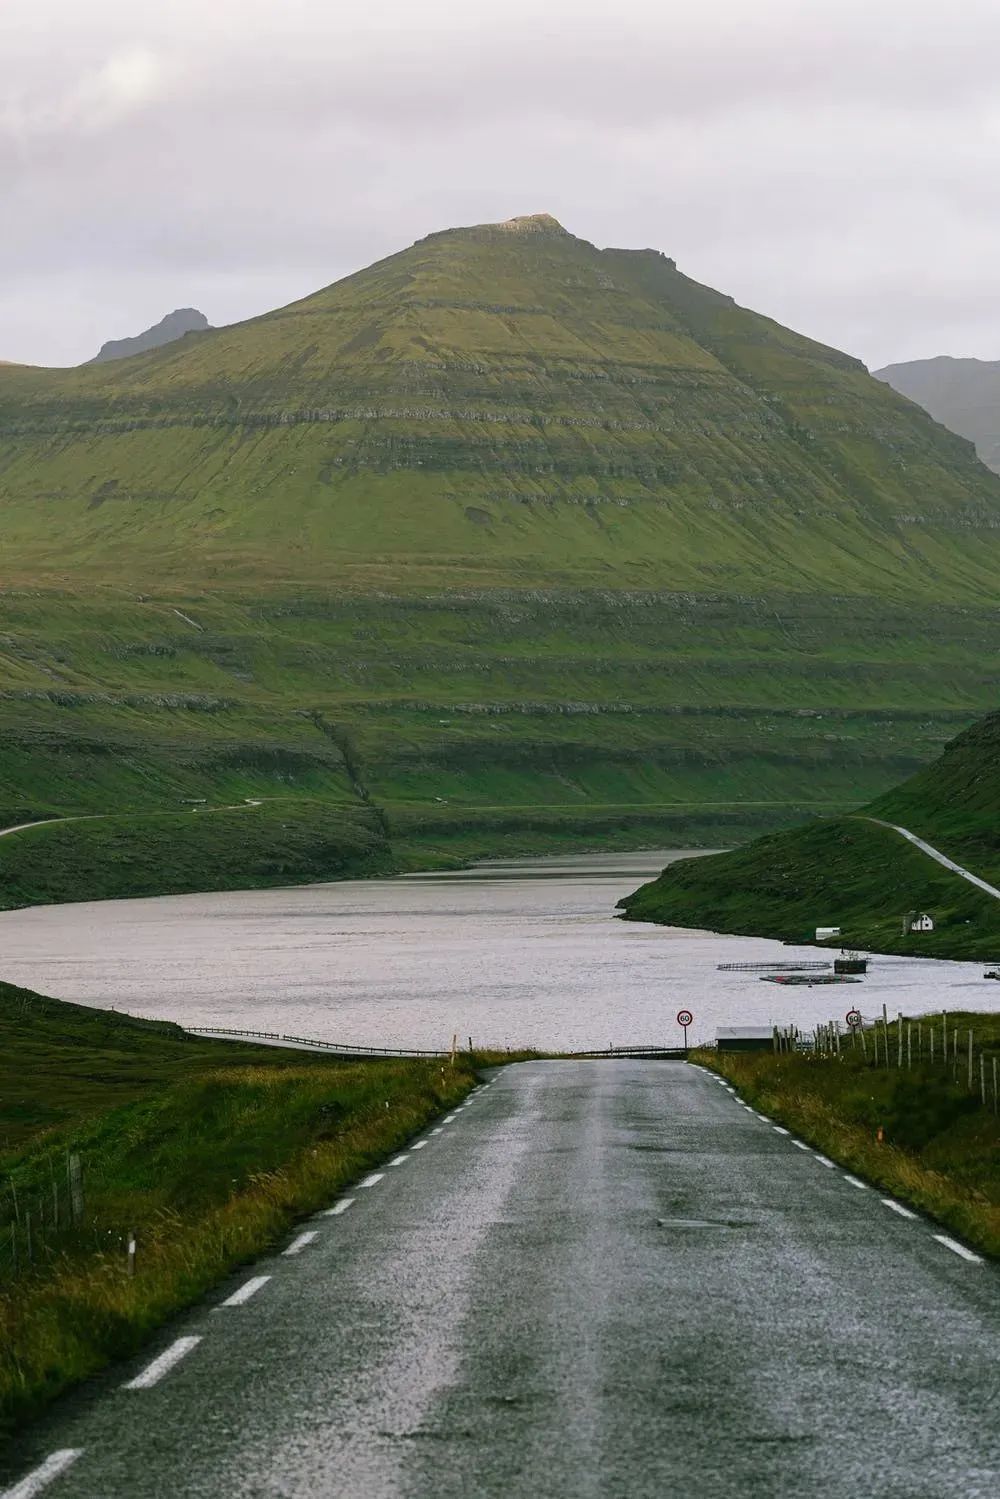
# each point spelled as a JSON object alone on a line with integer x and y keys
{"x": 166, "y": 331}
{"x": 963, "y": 394}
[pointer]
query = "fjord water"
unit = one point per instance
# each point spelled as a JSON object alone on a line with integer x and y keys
{"x": 515, "y": 952}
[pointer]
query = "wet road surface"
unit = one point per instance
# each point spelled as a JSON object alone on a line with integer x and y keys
{"x": 596, "y": 1279}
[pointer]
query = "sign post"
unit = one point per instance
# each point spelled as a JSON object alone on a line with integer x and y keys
{"x": 684, "y": 1018}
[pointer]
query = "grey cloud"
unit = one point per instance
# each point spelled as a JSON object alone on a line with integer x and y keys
{"x": 827, "y": 161}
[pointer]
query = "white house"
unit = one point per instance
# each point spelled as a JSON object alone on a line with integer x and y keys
{"x": 922, "y": 923}
{"x": 824, "y": 933}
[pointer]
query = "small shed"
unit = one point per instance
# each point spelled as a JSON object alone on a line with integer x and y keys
{"x": 744, "y": 1038}
{"x": 824, "y": 933}
{"x": 922, "y": 923}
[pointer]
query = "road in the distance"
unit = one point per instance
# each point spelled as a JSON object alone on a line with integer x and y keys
{"x": 598, "y": 1279}
{"x": 938, "y": 856}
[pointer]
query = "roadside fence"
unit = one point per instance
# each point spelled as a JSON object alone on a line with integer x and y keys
{"x": 935, "y": 1042}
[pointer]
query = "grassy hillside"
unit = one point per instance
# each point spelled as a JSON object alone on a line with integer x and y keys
{"x": 206, "y": 1151}
{"x": 504, "y": 521}
{"x": 853, "y": 873}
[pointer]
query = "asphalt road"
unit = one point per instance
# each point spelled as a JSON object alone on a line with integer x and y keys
{"x": 938, "y": 856}
{"x": 599, "y": 1279}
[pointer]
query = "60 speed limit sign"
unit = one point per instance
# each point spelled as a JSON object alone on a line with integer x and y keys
{"x": 684, "y": 1018}
{"x": 853, "y": 1018}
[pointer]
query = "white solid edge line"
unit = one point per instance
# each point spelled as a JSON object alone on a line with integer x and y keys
{"x": 822, "y": 1159}
{"x": 957, "y": 1248}
{"x": 339, "y": 1207}
{"x": 897, "y": 1207}
{"x": 855, "y": 1183}
{"x": 372, "y": 1180}
{"x": 399, "y": 1160}
{"x": 155, "y": 1371}
{"x": 778, "y": 1130}
{"x": 34, "y": 1482}
{"x": 247, "y": 1289}
{"x": 799, "y": 1145}
{"x": 297, "y": 1245}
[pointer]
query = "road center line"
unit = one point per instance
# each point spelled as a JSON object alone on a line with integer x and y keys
{"x": 297, "y": 1245}
{"x": 897, "y": 1207}
{"x": 957, "y": 1248}
{"x": 155, "y": 1371}
{"x": 372, "y": 1180}
{"x": 339, "y": 1207}
{"x": 863, "y": 1186}
{"x": 42, "y": 1476}
{"x": 247, "y": 1289}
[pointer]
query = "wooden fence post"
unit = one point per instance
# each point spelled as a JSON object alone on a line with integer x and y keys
{"x": 970, "y": 1061}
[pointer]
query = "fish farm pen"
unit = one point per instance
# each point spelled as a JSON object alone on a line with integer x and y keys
{"x": 771, "y": 967}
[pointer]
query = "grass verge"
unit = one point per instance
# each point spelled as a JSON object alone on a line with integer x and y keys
{"x": 206, "y": 1151}
{"x": 940, "y": 1149}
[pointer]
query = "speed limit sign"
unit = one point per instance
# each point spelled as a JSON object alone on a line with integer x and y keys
{"x": 853, "y": 1018}
{"x": 684, "y": 1018}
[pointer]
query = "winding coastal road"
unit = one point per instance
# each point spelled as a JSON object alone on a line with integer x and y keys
{"x": 936, "y": 854}
{"x": 596, "y": 1280}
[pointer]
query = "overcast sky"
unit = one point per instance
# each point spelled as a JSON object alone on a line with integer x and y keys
{"x": 830, "y": 162}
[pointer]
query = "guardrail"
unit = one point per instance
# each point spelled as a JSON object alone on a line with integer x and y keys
{"x": 338, "y": 1046}
{"x": 343, "y": 1048}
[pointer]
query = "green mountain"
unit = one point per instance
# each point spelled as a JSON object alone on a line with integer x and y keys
{"x": 504, "y": 542}
{"x": 858, "y": 873}
{"x": 963, "y": 394}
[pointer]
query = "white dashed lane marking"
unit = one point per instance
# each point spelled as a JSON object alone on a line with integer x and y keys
{"x": 247, "y": 1289}
{"x": 399, "y": 1160}
{"x": 372, "y": 1180}
{"x": 154, "y": 1372}
{"x": 823, "y": 1160}
{"x": 799, "y": 1145}
{"x": 957, "y": 1248}
{"x": 420, "y": 1145}
{"x": 863, "y": 1186}
{"x": 897, "y": 1207}
{"x": 41, "y": 1477}
{"x": 297, "y": 1245}
{"x": 339, "y": 1207}
{"x": 778, "y": 1129}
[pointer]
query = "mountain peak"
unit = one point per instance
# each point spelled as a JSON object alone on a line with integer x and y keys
{"x": 523, "y": 226}
{"x": 182, "y": 320}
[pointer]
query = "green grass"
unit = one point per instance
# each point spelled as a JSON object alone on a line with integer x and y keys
{"x": 503, "y": 521}
{"x": 852, "y": 873}
{"x": 940, "y": 1147}
{"x": 282, "y": 843}
{"x": 207, "y": 1150}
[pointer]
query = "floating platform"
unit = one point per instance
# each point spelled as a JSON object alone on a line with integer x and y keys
{"x": 807, "y": 978}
